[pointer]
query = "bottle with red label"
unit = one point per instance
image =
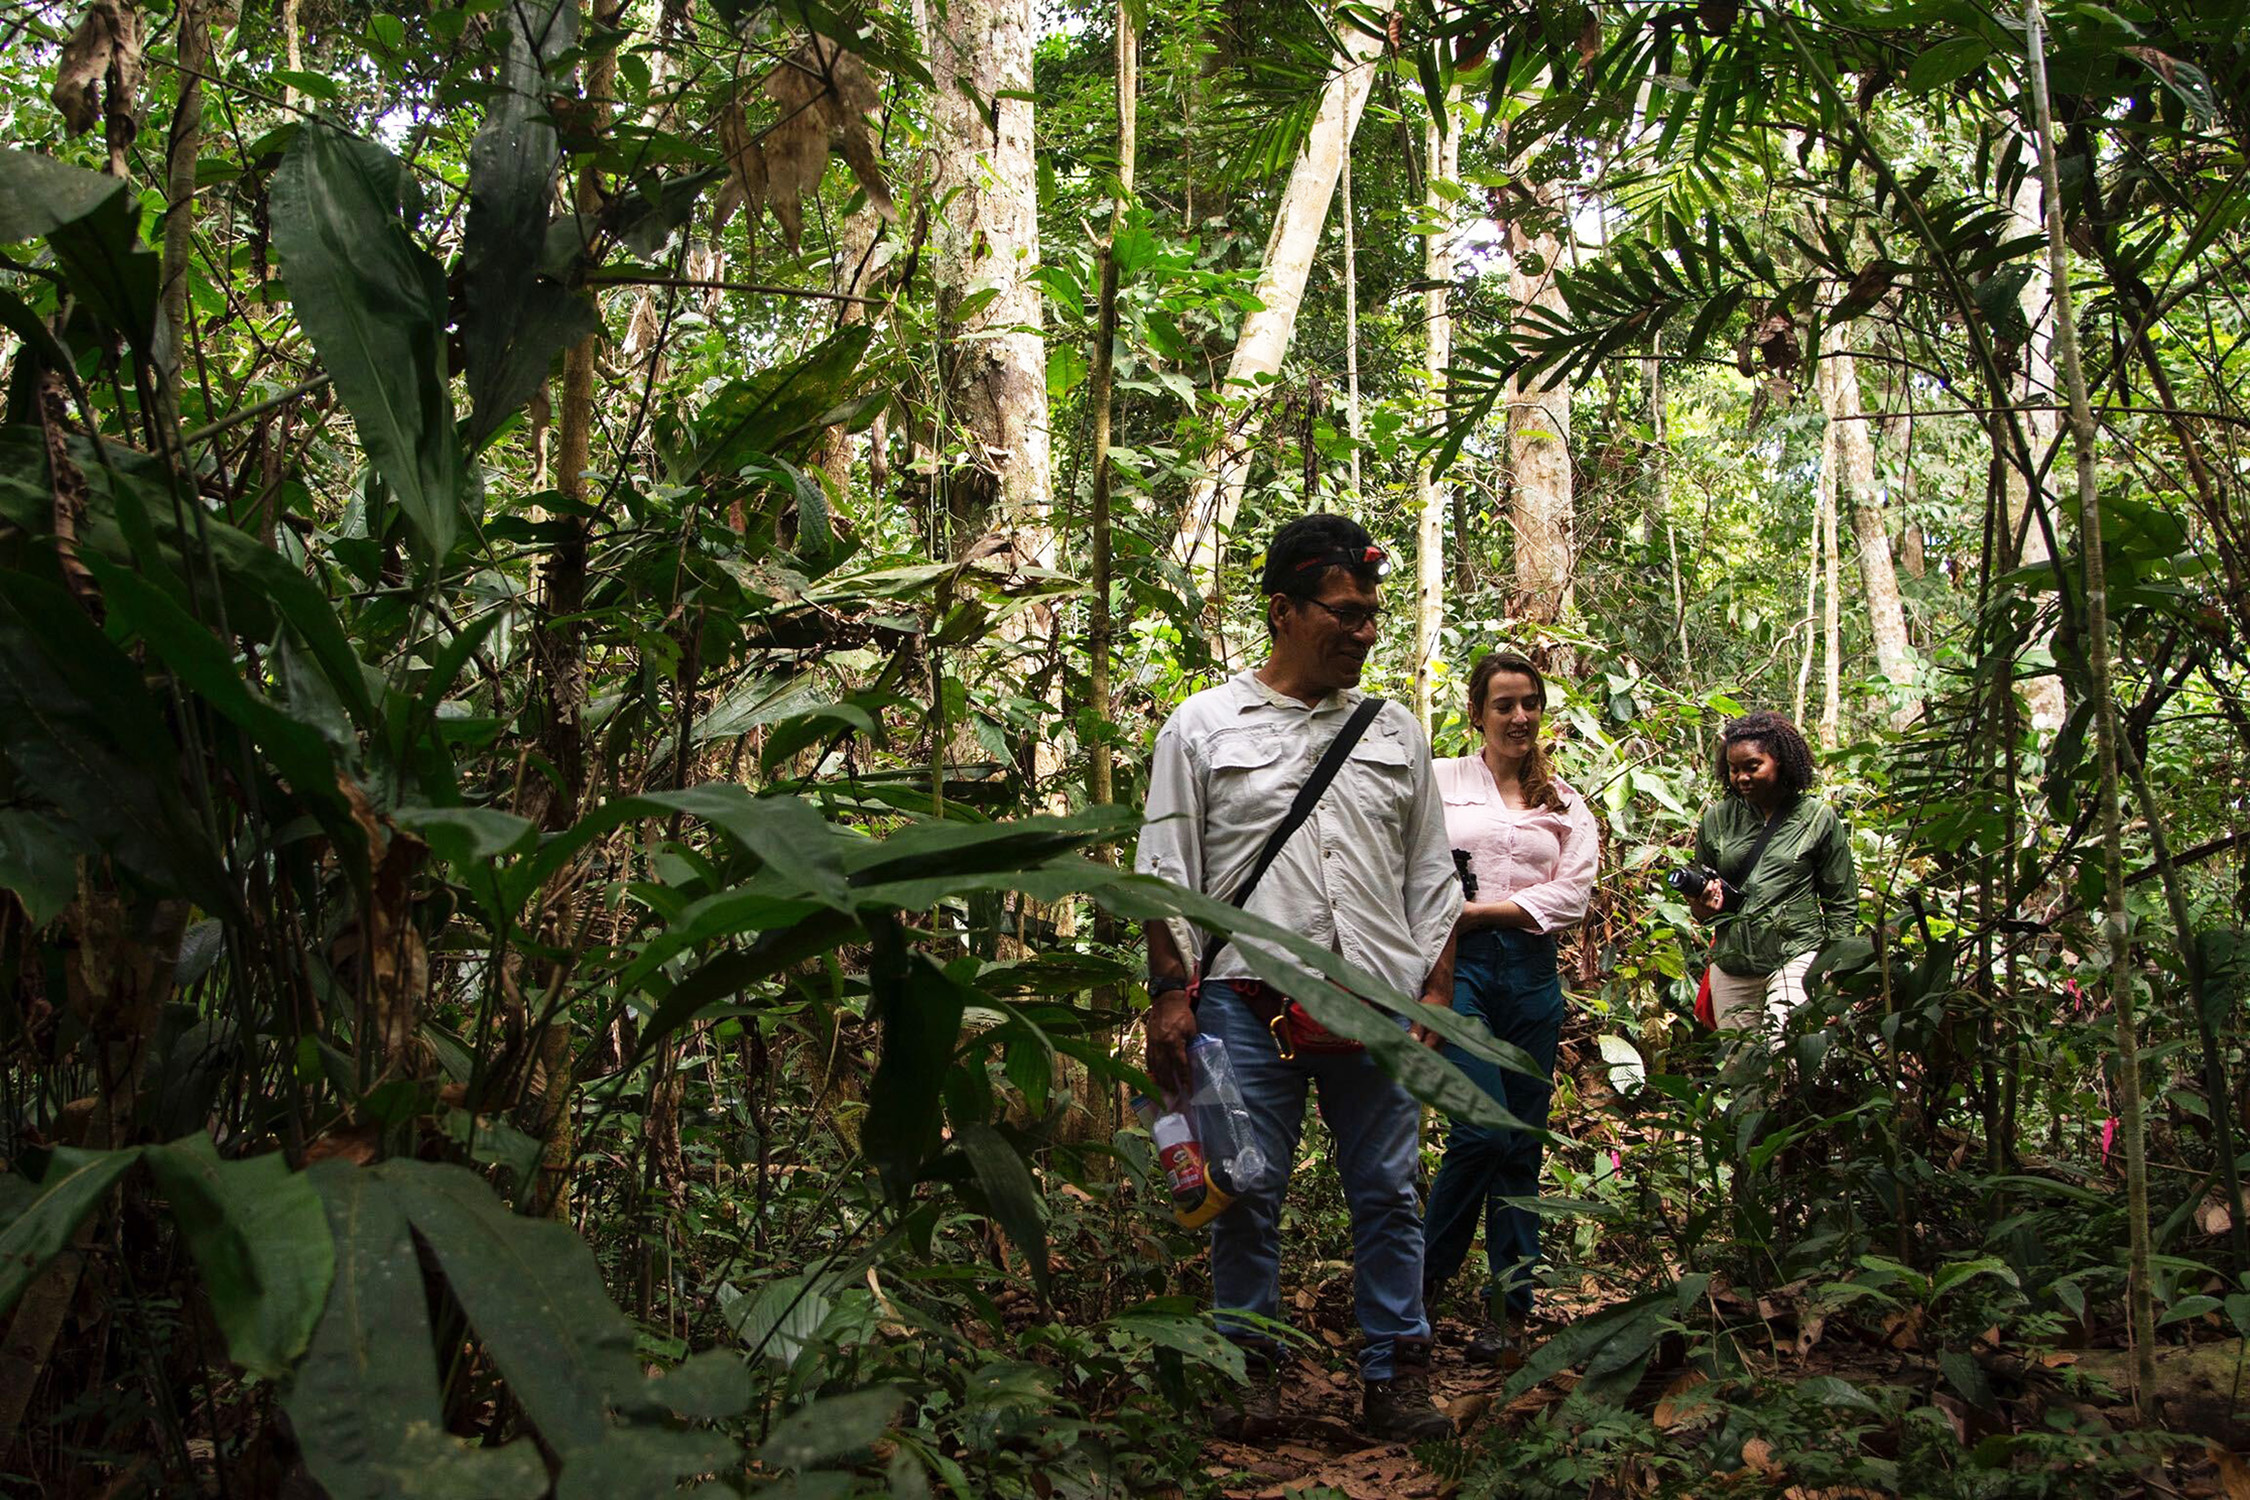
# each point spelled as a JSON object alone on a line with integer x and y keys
{"x": 1178, "y": 1153}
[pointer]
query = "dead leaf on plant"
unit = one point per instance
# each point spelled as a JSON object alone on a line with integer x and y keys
{"x": 1671, "y": 1408}
{"x": 1758, "y": 1454}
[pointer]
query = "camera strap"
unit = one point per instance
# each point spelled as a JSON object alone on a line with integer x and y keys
{"x": 1758, "y": 850}
{"x": 1331, "y": 761}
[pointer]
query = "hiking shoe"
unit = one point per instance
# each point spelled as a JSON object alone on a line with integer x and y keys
{"x": 1398, "y": 1409}
{"x": 1255, "y": 1412}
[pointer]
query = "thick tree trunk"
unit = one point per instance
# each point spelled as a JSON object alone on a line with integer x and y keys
{"x": 1540, "y": 494}
{"x": 987, "y": 239}
{"x": 1443, "y": 157}
{"x": 1215, "y": 498}
{"x": 2041, "y": 424}
{"x": 1838, "y": 381}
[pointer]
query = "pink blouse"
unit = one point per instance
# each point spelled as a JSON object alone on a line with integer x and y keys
{"x": 1543, "y": 861}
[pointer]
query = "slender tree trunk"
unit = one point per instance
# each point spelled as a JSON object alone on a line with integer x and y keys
{"x": 1215, "y": 497}
{"x": 1443, "y": 155}
{"x": 1352, "y": 423}
{"x": 1831, "y": 612}
{"x": 1102, "y": 382}
{"x": 185, "y": 144}
{"x": 2041, "y": 425}
{"x": 1812, "y": 597}
{"x": 1838, "y": 380}
{"x": 2139, "y": 1294}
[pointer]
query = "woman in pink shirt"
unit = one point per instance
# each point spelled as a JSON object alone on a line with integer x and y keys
{"x": 1532, "y": 849}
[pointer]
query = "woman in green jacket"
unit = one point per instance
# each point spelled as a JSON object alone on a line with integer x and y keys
{"x": 1778, "y": 904}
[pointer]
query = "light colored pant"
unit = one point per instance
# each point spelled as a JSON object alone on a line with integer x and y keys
{"x": 1743, "y": 1002}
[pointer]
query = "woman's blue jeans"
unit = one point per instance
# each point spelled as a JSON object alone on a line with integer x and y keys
{"x": 1375, "y": 1124}
{"x": 1506, "y": 980}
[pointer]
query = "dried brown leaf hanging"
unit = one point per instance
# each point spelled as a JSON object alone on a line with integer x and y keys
{"x": 99, "y": 76}
{"x": 820, "y": 92}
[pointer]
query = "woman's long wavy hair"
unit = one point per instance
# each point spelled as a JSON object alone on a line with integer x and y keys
{"x": 1538, "y": 778}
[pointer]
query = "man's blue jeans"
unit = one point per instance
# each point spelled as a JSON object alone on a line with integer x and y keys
{"x": 1505, "y": 980}
{"x": 1375, "y": 1124}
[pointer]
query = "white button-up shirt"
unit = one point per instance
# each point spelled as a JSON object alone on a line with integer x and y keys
{"x": 1542, "y": 860}
{"x": 1369, "y": 876}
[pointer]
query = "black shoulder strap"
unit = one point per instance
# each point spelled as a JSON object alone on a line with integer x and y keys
{"x": 1331, "y": 761}
{"x": 1758, "y": 850}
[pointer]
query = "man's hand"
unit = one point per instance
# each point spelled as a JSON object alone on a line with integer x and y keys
{"x": 1424, "y": 1034}
{"x": 1707, "y": 905}
{"x": 1171, "y": 1027}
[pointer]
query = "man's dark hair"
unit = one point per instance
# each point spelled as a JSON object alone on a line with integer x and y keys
{"x": 1301, "y": 553}
{"x": 1779, "y": 738}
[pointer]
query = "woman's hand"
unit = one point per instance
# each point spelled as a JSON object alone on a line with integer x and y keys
{"x": 1477, "y": 915}
{"x": 1707, "y": 905}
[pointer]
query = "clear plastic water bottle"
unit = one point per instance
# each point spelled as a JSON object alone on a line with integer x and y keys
{"x": 1231, "y": 1154}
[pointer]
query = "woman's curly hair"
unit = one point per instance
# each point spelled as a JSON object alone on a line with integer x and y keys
{"x": 1778, "y": 737}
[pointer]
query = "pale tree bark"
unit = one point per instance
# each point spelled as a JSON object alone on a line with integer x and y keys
{"x": 1351, "y": 321}
{"x": 987, "y": 239}
{"x": 1443, "y": 156}
{"x": 1831, "y": 615}
{"x": 1541, "y": 501}
{"x": 1898, "y": 431}
{"x": 1838, "y": 384}
{"x": 2041, "y": 425}
{"x": 2140, "y": 1311}
{"x": 1215, "y": 497}
{"x": 1812, "y": 579}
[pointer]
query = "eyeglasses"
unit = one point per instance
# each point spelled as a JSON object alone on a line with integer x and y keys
{"x": 1353, "y": 617}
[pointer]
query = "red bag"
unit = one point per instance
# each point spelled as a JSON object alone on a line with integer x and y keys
{"x": 1704, "y": 1010}
{"x": 1292, "y": 1026}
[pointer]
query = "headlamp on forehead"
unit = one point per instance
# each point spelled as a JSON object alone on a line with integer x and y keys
{"x": 1349, "y": 557}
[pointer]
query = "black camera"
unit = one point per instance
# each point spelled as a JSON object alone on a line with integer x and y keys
{"x": 1468, "y": 874}
{"x": 1691, "y": 880}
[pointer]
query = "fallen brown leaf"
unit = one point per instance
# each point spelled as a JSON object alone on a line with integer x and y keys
{"x": 1758, "y": 1454}
{"x": 2234, "y": 1474}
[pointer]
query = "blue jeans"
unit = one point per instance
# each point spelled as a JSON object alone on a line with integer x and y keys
{"x": 1506, "y": 980}
{"x": 1375, "y": 1123}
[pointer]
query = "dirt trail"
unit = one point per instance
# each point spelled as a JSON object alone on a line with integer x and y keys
{"x": 1323, "y": 1447}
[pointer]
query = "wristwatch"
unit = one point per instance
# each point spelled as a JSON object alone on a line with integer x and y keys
{"x": 1160, "y": 985}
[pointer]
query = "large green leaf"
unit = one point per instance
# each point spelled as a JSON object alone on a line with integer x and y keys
{"x": 1005, "y": 1180}
{"x": 637, "y": 1462}
{"x": 87, "y": 745}
{"x": 831, "y": 1427}
{"x": 93, "y": 225}
{"x": 364, "y": 1400}
{"x": 535, "y": 1297}
{"x": 373, "y": 303}
{"x": 39, "y": 194}
{"x": 261, "y": 1241}
{"x": 920, "y": 1007}
{"x": 513, "y": 323}
{"x": 37, "y": 1221}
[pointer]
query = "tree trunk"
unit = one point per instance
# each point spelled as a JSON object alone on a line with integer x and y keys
{"x": 1831, "y": 615}
{"x": 186, "y": 142}
{"x": 2139, "y": 1294}
{"x": 1541, "y": 501}
{"x": 1352, "y": 424}
{"x": 1102, "y": 381}
{"x": 2041, "y": 425}
{"x": 1215, "y": 497}
{"x": 1443, "y": 156}
{"x": 987, "y": 239}
{"x": 1838, "y": 381}
{"x": 1812, "y": 593}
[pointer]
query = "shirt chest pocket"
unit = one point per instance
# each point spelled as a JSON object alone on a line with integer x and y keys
{"x": 1379, "y": 777}
{"x": 1244, "y": 789}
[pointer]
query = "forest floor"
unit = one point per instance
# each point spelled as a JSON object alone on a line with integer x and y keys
{"x": 2203, "y": 1405}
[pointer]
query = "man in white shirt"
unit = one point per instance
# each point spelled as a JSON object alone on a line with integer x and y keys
{"x": 1369, "y": 875}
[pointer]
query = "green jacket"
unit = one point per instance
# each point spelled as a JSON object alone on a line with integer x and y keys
{"x": 1803, "y": 895}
